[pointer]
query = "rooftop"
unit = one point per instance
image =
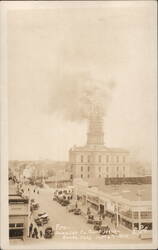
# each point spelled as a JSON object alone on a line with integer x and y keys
{"x": 98, "y": 148}
{"x": 129, "y": 192}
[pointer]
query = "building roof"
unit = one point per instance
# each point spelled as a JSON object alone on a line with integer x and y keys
{"x": 129, "y": 192}
{"x": 98, "y": 148}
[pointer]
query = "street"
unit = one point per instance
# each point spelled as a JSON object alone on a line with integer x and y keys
{"x": 69, "y": 227}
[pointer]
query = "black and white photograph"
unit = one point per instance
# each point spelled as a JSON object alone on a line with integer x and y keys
{"x": 78, "y": 134}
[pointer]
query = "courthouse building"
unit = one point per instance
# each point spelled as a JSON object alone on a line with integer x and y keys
{"x": 96, "y": 160}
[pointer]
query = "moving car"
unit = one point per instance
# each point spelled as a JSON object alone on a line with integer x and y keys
{"x": 77, "y": 211}
{"x": 49, "y": 233}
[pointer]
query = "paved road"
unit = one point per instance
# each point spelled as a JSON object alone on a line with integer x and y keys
{"x": 69, "y": 227}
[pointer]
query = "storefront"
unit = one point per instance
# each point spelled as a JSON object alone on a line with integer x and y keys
{"x": 93, "y": 202}
{"x": 18, "y": 217}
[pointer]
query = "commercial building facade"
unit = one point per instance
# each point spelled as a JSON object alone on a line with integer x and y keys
{"x": 18, "y": 216}
{"x": 129, "y": 213}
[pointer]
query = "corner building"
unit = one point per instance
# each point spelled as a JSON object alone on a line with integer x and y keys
{"x": 95, "y": 160}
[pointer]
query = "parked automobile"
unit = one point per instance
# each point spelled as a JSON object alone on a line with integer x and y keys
{"x": 65, "y": 203}
{"x": 42, "y": 219}
{"x": 71, "y": 208}
{"x": 90, "y": 219}
{"x": 105, "y": 230}
{"x": 49, "y": 233}
{"x": 39, "y": 221}
{"x": 55, "y": 198}
{"x": 77, "y": 211}
{"x": 97, "y": 224}
{"x": 35, "y": 206}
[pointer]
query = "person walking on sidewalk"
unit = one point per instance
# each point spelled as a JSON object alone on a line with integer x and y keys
{"x": 30, "y": 230}
{"x": 36, "y": 233}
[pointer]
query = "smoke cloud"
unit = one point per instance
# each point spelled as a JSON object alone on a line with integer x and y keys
{"x": 74, "y": 96}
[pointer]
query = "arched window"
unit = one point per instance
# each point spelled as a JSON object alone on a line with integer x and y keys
{"x": 88, "y": 168}
{"x": 81, "y": 168}
{"x": 81, "y": 175}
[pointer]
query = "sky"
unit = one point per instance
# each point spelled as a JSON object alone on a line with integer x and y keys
{"x": 57, "y": 55}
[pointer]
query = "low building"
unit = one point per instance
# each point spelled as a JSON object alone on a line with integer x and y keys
{"x": 18, "y": 214}
{"x": 130, "y": 205}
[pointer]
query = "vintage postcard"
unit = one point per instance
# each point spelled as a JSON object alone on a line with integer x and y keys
{"x": 78, "y": 125}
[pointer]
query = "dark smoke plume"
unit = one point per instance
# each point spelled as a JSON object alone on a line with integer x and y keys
{"x": 74, "y": 96}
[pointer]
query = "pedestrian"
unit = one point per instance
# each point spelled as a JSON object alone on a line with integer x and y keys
{"x": 34, "y": 191}
{"x": 28, "y": 189}
{"x": 30, "y": 230}
{"x": 36, "y": 233}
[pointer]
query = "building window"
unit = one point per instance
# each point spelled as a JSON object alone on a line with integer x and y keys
{"x": 19, "y": 225}
{"x": 88, "y": 176}
{"x": 117, "y": 169}
{"x": 99, "y": 176}
{"x": 12, "y": 225}
{"x": 124, "y": 158}
{"x": 81, "y": 168}
{"x": 88, "y": 168}
{"x": 99, "y": 169}
{"x": 107, "y": 158}
{"x": 99, "y": 158}
{"x": 81, "y": 175}
{"x": 89, "y": 158}
{"x": 81, "y": 158}
{"x": 123, "y": 168}
{"x": 117, "y": 158}
{"x": 107, "y": 169}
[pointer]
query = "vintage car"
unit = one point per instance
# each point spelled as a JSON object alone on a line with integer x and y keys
{"x": 90, "y": 219}
{"x": 42, "y": 219}
{"x": 49, "y": 233}
{"x": 77, "y": 211}
{"x": 55, "y": 198}
{"x": 35, "y": 206}
{"x": 65, "y": 202}
{"x": 71, "y": 208}
{"x": 97, "y": 224}
{"x": 105, "y": 230}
